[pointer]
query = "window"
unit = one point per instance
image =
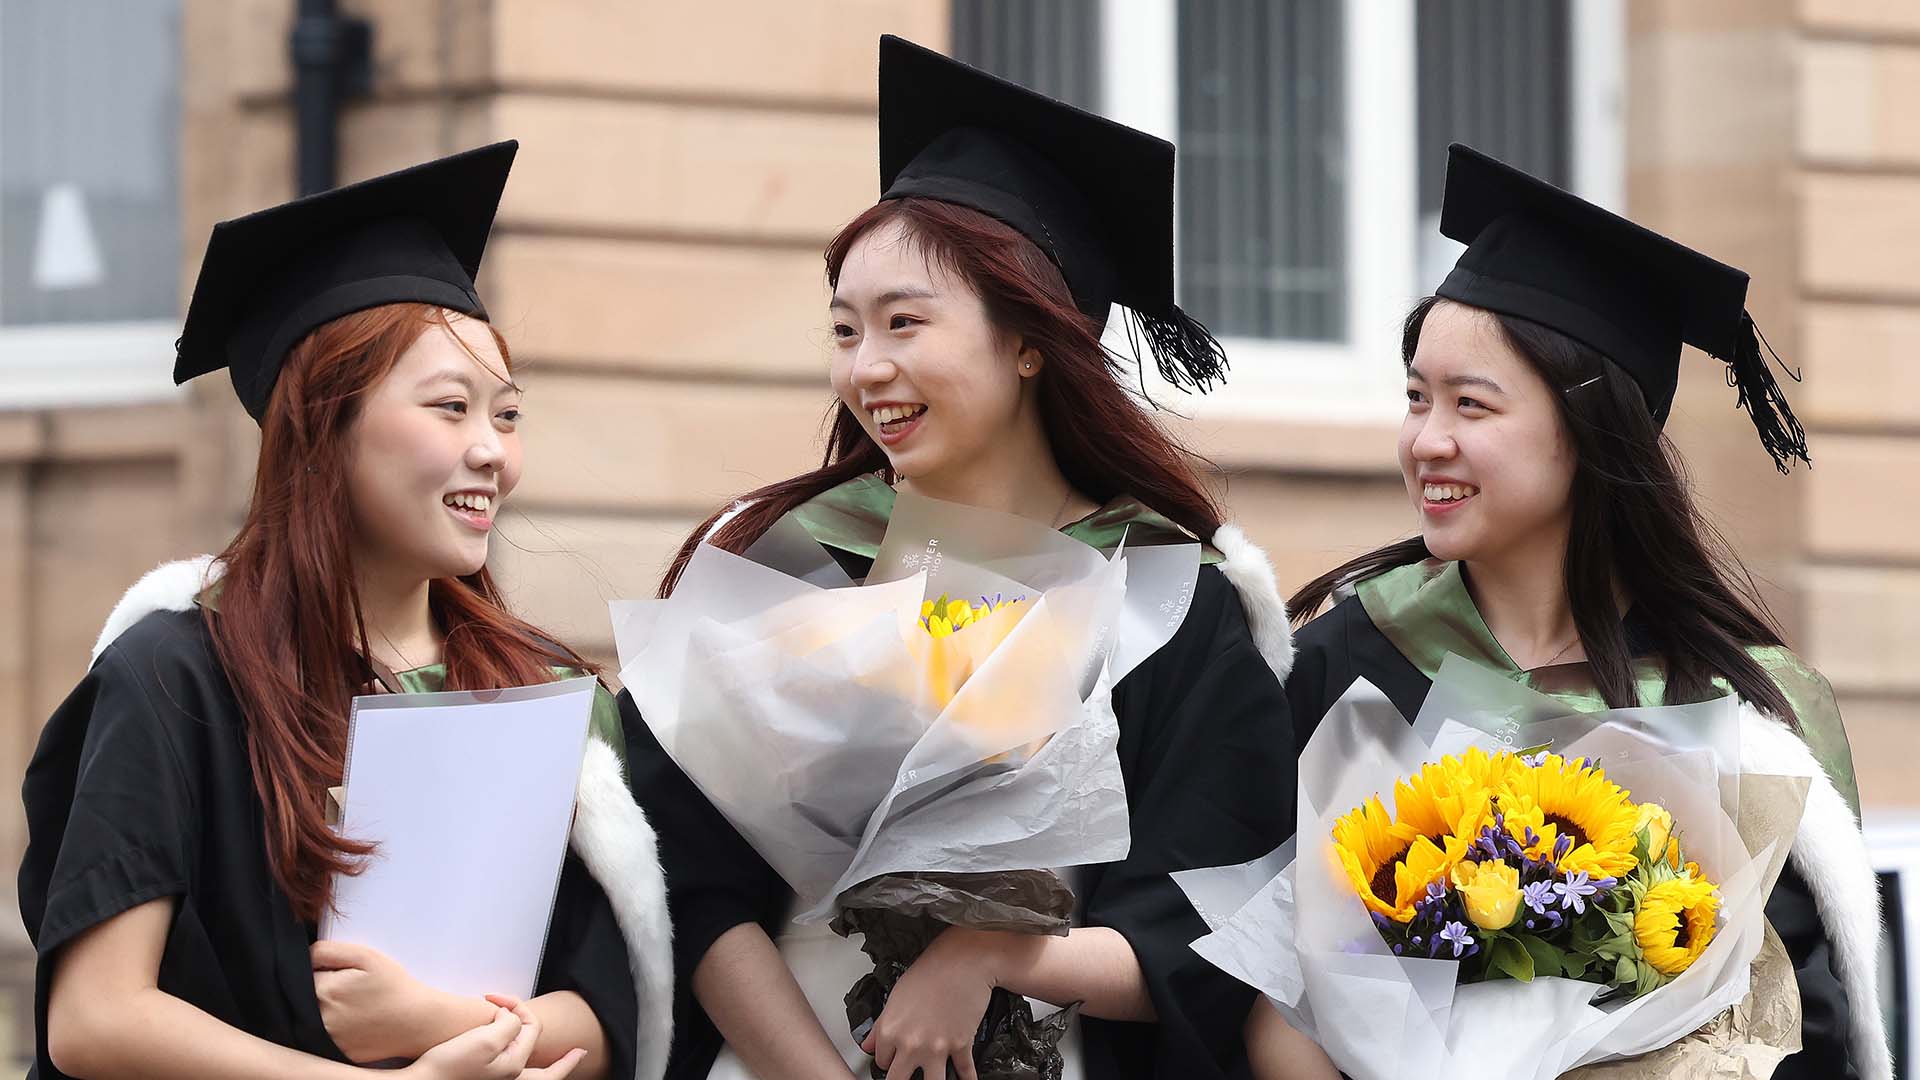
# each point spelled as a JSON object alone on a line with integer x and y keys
{"x": 1048, "y": 46}
{"x": 1262, "y": 143}
{"x": 89, "y": 199}
{"x": 1312, "y": 148}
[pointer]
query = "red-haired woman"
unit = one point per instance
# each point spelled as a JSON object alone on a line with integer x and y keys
{"x": 966, "y": 315}
{"x": 179, "y": 855}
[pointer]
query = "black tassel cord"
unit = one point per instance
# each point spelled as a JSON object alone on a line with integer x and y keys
{"x": 1760, "y": 395}
{"x": 1187, "y": 355}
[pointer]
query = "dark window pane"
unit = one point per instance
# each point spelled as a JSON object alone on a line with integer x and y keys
{"x": 89, "y": 167}
{"x": 1262, "y": 237}
{"x": 1052, "y": 46}
{"x": 1496, "y": 75}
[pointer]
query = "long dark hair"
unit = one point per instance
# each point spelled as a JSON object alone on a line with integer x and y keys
{"x": 1103, "y": 439}
{"x": 1634, "y": 524}
{"x": 288, "y": 629}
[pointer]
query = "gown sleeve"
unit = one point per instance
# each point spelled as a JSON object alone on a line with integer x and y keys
{"x": 715, "y": 881}
{"x": 111, "y": 810}
{"x": 1207, "y": 750}
{"x": 586, "y": 951}
{"x": 1824, "y": 1011}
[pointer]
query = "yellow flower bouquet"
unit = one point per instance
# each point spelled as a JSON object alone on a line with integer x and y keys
{"x": 1506, "y": 888}
{"x": 906, "y": 750}
{"x": 1523, "y": 865}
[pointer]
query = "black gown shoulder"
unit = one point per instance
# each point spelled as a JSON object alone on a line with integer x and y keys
{"x": 141, "y": 788}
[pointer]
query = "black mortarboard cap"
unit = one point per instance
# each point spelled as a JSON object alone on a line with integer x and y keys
{"x": 1542, "y": 254}
{"x": 271, "y": 277}
{"x": 1094, "y": 195}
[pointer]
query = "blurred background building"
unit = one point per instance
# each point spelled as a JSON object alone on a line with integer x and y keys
{"x": 657, "y": 266}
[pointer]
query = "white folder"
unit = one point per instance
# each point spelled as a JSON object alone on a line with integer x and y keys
{"x": 469, "y": 797}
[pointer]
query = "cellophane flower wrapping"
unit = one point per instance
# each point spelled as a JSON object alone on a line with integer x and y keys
{"x": 1293, "y": 925}
{"x": 899, "y": 780}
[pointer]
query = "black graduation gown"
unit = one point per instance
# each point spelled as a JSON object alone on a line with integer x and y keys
{"x": 1344, "y": 644}
{"x": 1209, "y": 766}
{"x": 141, "y": 788}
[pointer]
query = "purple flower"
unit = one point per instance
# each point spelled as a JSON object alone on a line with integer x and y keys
{"x": 1547, "y": 922}
{"x": 1535, "y": 759}
{"x": 1456, "y": 934}
{"x": 1539, "y": 896}
{"x": 1561, "y": 846}
{"x": 1574, "y": 891}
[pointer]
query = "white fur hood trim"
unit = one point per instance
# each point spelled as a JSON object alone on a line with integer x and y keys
{"x": 1831, "y": 855}
{"x": 1251, "y": 573}
{"x": 172, "y": 586}
{"x": 611, "y": 833}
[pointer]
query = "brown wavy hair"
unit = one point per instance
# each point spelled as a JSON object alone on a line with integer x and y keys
{"x": 289, "y": 629}
{"x": 1104, "y": 440}
{"x": 1634, "y": 523}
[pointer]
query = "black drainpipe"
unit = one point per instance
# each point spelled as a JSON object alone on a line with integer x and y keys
{"x": 332, "y": 62}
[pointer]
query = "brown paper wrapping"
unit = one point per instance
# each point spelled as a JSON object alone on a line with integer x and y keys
{"x": 1748, "y": 1041}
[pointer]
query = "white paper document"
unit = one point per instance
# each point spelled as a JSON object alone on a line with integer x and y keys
{"x": 469, "y": 797}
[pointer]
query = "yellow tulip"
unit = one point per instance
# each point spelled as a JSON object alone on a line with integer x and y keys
{"x": 1660, "y": 842}
{"x": 1491, "y": 891}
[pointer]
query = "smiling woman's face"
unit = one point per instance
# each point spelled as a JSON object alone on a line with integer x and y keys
{"x": 1483, "y": 449}
{"x": 435, "y": 450}
{"x": 917, "y": 358}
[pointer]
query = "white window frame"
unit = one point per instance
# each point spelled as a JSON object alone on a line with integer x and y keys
{"x": 59, "y": 365}
{"x": 1357, "y": 380}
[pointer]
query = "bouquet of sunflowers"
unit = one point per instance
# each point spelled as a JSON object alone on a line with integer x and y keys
{"x": 1508, "y": 888}
{"x": 1529, "y": 864}
{"x": 905, "y": 750}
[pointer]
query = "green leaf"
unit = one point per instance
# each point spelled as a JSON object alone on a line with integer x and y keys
{"x": 1575, "y": 966}
{"x": 1509, "y": 957}
{"x": 1619, "y": 922}
{"x": 1626, "y": 971}
{"x": 1648, "y": 981}
{"x": 1547, "y": 958}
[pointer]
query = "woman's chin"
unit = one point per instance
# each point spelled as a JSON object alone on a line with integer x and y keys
{"x": 1448, "y": 545}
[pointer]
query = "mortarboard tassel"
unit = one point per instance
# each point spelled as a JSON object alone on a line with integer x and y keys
{"x": 1188, "y": 355}
{"x": 1760, "y": 395}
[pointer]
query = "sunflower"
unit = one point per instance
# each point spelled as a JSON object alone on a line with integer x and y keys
{"x": 1560, "y": 798}
{"x": 1389, "y": 865}
{"x": 1675, "y": 922}
{"x": 1452, "y": 797}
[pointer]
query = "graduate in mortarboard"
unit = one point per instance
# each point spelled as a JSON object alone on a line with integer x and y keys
{"x": 1559, "y": 544}
{"x": 966, "y": 316}
{"x": 179, "y": 855}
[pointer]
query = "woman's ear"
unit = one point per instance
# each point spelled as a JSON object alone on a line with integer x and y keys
{"x": 1030, "y": 361}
